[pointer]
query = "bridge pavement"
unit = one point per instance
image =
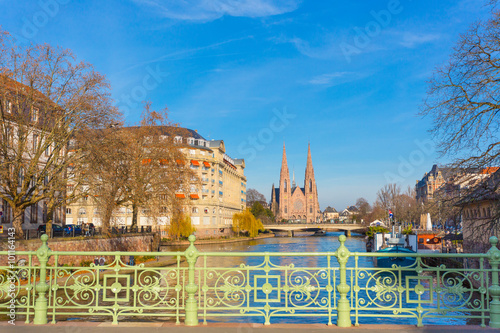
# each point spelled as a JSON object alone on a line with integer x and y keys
{"x": 139, "y": 327}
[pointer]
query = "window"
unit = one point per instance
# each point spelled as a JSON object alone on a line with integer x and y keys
{"x": 21, "y": 176}
{"x": 310, "y": 209}
{"x": 194, "y": 210}
{"x": 35, "y": 142}
{"x": 47, "y": 151}
{"x": 285, "y": 187}
{"x": 82, "y": 211}
{"x": 6, "y": 212}
{"x": 205, "y": 210}
{"x": 8, "y": 107}
{"x": 178, "y": 139}
{"x": 310, "y": 185}
{"x": 286, "y": 210}
{"x": 10, "y": 136}
{"x": 34, "y": 214}
{"x": 68, "y": 211}
{"x": 34, "y": 114}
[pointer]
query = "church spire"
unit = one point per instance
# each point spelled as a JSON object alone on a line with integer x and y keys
{"x": 309, "y": 166}
{"x": 284, "y": 163}
{"x": 293, "y": 181}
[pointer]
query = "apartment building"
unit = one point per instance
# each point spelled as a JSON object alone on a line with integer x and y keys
{"x": 217, "y": 192}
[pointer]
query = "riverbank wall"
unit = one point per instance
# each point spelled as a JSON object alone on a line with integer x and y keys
{"x": 214, "y": 241}
{"x": 125, "y": 243}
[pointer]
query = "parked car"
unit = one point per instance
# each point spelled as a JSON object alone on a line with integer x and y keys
{"x": 57, "y": 229}
{"x": 68, "y": 230}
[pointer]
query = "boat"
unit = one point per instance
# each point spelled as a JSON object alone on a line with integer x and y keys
{"x": 387, "y": 262}
{"x": 394, "y": 243}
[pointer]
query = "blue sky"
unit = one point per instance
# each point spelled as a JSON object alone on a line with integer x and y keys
{"x": 346, "y": 76}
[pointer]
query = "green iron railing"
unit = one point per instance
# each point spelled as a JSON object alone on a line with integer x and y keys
{"x": 262, "y": 286}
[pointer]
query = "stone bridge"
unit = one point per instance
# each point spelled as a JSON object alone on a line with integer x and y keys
{"x": 313, "y": 227}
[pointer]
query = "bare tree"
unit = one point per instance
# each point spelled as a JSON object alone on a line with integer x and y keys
{"x": 363, "y": 207}
{"x": 254, "y": 196}
{"x": 140, "y": 166}
{"x": 158, "y": 167}
{"x": 463, "y": 103}
{"x": 46, "y": 96}
{"x": 463, "y": 100}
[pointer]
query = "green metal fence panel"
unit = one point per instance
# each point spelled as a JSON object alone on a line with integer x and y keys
{"x": 260, "y": 286}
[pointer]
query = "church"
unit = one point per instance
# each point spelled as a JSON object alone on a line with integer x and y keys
{"x": 299, "y": 204}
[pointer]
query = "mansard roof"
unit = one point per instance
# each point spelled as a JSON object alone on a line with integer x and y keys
{"x": 330, "y": 210}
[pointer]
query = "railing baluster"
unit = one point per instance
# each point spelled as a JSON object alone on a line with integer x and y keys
{"x": 43, "y": 254}
{"x": 494, "y": 289}
{"x": 191, "y": 309}
{"x": 343, "y": 308}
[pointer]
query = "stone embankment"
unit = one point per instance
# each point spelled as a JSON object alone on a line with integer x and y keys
{"x": 214, "y": 241}
{"x": 128, "y": 243}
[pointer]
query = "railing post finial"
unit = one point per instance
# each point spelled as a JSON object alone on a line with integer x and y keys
{"x": 43, "y": 254}
{"x": 343, "y": 308}
{"x": 191, "y": 255}
{"x": 494, "y": 289}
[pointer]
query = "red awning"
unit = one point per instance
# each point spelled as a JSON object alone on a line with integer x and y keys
{"x": 194, "y": 162}
{"x": 180, "y": 195}
{"x": 194, "y": 196}
{"x": 146, "y": 161}
{"x": 163, "y": 162}
{"x": 179, "y": 162}
{"x": 206, "y": 164}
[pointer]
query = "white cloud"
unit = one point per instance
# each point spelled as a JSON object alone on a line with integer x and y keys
{"x": 410, "y": 40}
{"x": 209, "y": 10}
{"x": 327, "y": 79}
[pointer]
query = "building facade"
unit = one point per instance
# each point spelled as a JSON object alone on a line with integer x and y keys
{"x": 27, "y": 156}
{"x": 218, "y": 191}
{"x": 330, "y": 215}
{"x": 480, "y": 212}
{"x": 292, "y": 203}
{"x": 430, "y": 183}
